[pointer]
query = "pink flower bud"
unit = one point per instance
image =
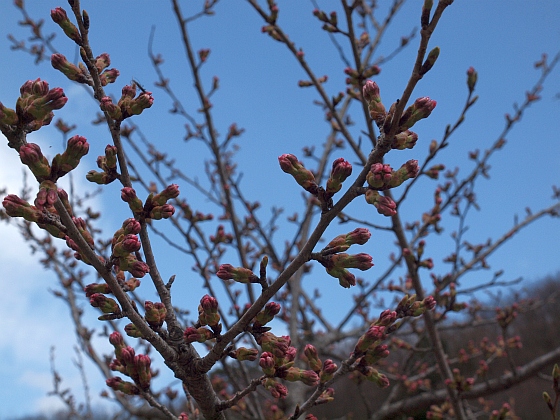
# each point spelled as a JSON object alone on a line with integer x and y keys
{"x": 155, "y": 313}
{"x": 374, "y": 334}
{"x": 172, "y": 191}
{"x": 31, "y": 155}
{"x": 407, "y": 171}
{"x": 162, "y": 212}
{"x": 200, "y": 335}
{"x": 291, "y": 165}
{"x": 72, "y": 72}
{"x": 243, "y": 353}
{"x": 105, "y": 304}
{"x": 472, "y": 77}
{"x": 342, "y": 242}
{"x": 384, "y": 205}
{"x": 312, "y": 358}
{"x": 128, "y": 195}
{"x": 421, "y": 108}
{"x": 239, "y": 274}
{"x": 113, "y": 111}
{"x": 329, "y": 368}
{"x": 131, "y": 226}
{"x": 118, "y": 384}
{"x": 376, "y": 108}
{"x": 138, "y": 269}
{"x": 209, "y": 304}
{"x": 404, "y": 140}
{"x": 266, "y": 362}
{"x": 379, "y": 175}
{"x": 132, "y": 331}
{"x": 360, "y": 261}
{"x": 143, "y": 363}
{"x": 270, "y": 310}
{"x": 341, "y": 169}
{"x": 59, "y": 17}
{"x": 387, "y": 318}
{"x": 92, "y": 288}
{"x": 102, "y": 61}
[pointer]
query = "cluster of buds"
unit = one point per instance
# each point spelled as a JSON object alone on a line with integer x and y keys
{"x": 416, "y": 259}
{"x": 129, "y": 104}
{"x": 355, "y": 78}
{"x": 410, "y": 306}
{"x": 155, "y": 207}
{"x": 208, "y": 313}
{"x": 200, "y": 335}
{"x": 134, "y": 366}
{"x": 420, "y": 109}
{"x": 337, "y": 265}
{"x": 221, "y": 237}
{"x": 507, "y": 315}
{"x": 107, "y": 305}
{"x": 34, "y": 107}
{"x": 459, "y": 383}
{"x": 448, "y": 299}
{"x": 60, "y": 17}
{"x": 155, "y": 313}
{"x": 330, "y": 21}
{"x": 124, "y": 245}
{"x": 325, "y": 369}
{"x": 382, "y": 176}
{"x": 238, "y": 274}
{"x": 108, "y": 164}
{"x": 277, "y": 361}
{"x": 43, "y": 215}
{"x": 341, "y": 169}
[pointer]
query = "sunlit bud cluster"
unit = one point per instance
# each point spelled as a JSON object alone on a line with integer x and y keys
{"x": 155, "y": 206}
{"x": 381, "y": 176}
{"x": 155, "y": 313}
{"x": 384, "y": 205}
{"x": 128, "y": 363}
{"x": 336, "y": 265}
{"x": 326, "y": 397}
{"x": 60, "y": 17}
{"x": 238, "y": 274}
{"x": 108, "y": 164}
{"x": 373, "y": 336}
{"x": 304, "y": 177}
{"x": 34, "y": 107}
{"x": 341, "y": 169}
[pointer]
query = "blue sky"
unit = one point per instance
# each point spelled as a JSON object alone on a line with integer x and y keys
{"x": 258, "y": 90}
